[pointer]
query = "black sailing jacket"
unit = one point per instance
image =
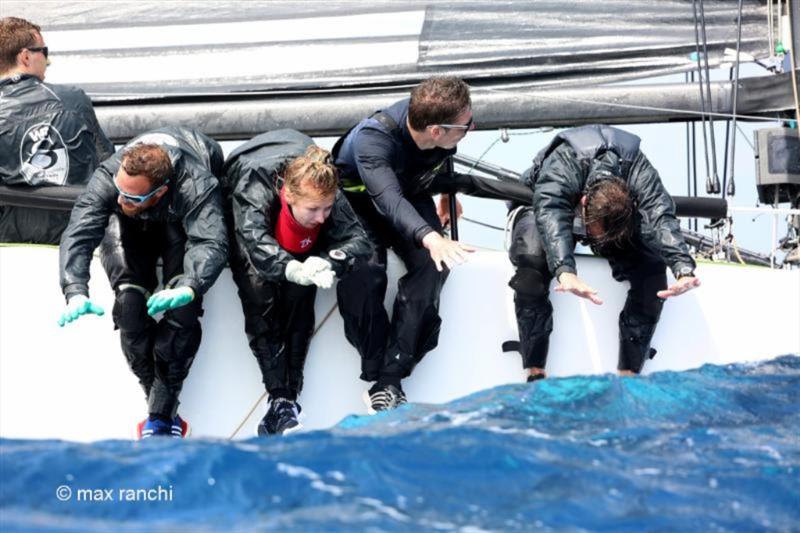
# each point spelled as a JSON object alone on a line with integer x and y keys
{"x": 251, "y": 184}
{"x": 564, "y": 169}
{"x": 193, "y": 200}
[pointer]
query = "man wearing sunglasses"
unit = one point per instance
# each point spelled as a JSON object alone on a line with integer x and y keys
{"x": 156, "y": 199}
{"x": 50, "y": 134}
{"x": 390, "y": 166}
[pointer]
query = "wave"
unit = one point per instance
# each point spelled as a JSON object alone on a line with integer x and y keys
{"x": 712, "y": 448}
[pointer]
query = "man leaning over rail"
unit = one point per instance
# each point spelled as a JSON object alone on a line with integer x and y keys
{"x": 594, "y": 184}
{"x": 391, "y": 163}
{"x": 157, "y": 197}
{"x": 291, "y": 231}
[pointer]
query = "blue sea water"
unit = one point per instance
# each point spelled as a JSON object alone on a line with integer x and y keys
{"x": 713, "y": 449}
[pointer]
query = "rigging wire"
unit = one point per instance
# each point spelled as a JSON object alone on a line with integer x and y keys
{"x": 709, "y": 182}
{"x": 727, "y": 139}
{"x": 770, "y": 22}
{"x": 792, "y": 53}
{"x": 688, "y": 157}
{"x": 694, "y": 156}
{"x": 715, "y": 184}
{"x": 731, "y": 186}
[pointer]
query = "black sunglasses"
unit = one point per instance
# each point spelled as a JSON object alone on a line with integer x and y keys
{"x": 42, "y": 49}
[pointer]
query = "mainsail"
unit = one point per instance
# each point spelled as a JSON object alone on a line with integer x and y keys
{"x": 237, "y": 69}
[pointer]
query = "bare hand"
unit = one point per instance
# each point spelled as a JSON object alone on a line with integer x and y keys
{"x": 686, "y": 283}
{"x": 443, "y": 209}
{"x": 569, "y": 282}
{"x": 445, "y": 252}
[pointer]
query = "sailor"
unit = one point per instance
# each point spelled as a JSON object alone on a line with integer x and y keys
{"x": 391, "y": 164}
{"x": 49, "y": 134}
{"x": 156, "y": 198}
{"x": 593, "y": 184}
{"x": 291, "y": 231}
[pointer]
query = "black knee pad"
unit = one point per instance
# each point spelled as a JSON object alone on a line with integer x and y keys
{"x": 530, "y": 282}
{"x": 185, "y": 316}
{"x": 130, "y": 310}
{"x": 370, "y": 275}
{"x": 634, "y": 343}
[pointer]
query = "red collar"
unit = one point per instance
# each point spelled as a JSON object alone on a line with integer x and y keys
{"x": 290, "y": 234}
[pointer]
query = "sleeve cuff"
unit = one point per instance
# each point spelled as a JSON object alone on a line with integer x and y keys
{"x": 564, "y": 268}
{"x": 75, "y": 289}
{"x": 420, "y": 233}
{"x": 340, "y": 261}
{"x": 681, "y": 270}
{"x": 188, "y": 282}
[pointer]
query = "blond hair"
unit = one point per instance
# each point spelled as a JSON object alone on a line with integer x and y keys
{"x": 315, "y": 169}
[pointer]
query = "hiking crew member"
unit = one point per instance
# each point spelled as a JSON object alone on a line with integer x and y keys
{"x": 157, "y": 197}
{"x": 594, "y": 184}
{"x": 292, "y": 231}
{"x": 391, "y": 164}
{"x": 49, "y": 134}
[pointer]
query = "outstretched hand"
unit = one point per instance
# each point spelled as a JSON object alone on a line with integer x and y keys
{"x": 169, "y": 299}
{"x": 685, "y": 284}
{"x": 77, "y": 306}
{"x": 569, "y": 282}
{"x": 445, "y": 252}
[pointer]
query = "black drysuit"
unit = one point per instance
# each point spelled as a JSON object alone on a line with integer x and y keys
{"x": 186, "y": 229}
{"x": 279, "y": 314}
{"x": 543, "y": 238}
{"x": 49, "y": 136}
{"x": 389, "y": 182}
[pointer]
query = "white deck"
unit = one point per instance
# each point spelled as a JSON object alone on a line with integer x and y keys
{"x": 73, "y": 382}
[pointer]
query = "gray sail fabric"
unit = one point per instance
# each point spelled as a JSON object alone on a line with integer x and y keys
{"x": 122, "y": 50}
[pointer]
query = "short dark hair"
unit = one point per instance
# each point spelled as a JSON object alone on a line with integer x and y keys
{"x": 437, "y": 100}
{"x": 149, "y": 160}
{"x": 15, "y": 34}
{"x": 609, "y": 203}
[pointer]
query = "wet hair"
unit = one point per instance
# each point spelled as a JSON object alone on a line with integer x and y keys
{"x": 609, "y": 204}
{"x": 149, "y": 160}
{"x": 315, "y": 168}
{"x": 437, "y": 100}
{"x": 15, "y": 34}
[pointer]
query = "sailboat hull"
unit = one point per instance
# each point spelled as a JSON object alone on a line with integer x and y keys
{"x": 73, "y": 383}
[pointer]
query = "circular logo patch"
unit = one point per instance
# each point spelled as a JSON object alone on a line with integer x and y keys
{"x": 43, "y": 156}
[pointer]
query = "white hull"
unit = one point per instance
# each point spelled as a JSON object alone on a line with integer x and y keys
{"x": 73, "y": 383}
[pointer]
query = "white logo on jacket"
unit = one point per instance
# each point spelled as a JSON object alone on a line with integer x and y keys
{"x": 43, "y": 156}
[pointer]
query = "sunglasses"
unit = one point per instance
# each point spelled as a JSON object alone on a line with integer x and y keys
{"x": 42, "y": 49}
{"x": 138, "y": 199}
{"x": 468, "y": 126}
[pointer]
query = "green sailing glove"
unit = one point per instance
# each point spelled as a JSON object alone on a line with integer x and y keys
{"x": 169, "y": 299}
{"x": 77, "y": 306}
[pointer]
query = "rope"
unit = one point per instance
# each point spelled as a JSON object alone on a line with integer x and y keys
{"x": 479, "y": 223}
{"x": 264, "y": 394}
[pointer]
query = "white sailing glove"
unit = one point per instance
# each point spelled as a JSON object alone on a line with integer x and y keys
{"x": 322, "y": 274}
{"x": 296, "y": 272}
